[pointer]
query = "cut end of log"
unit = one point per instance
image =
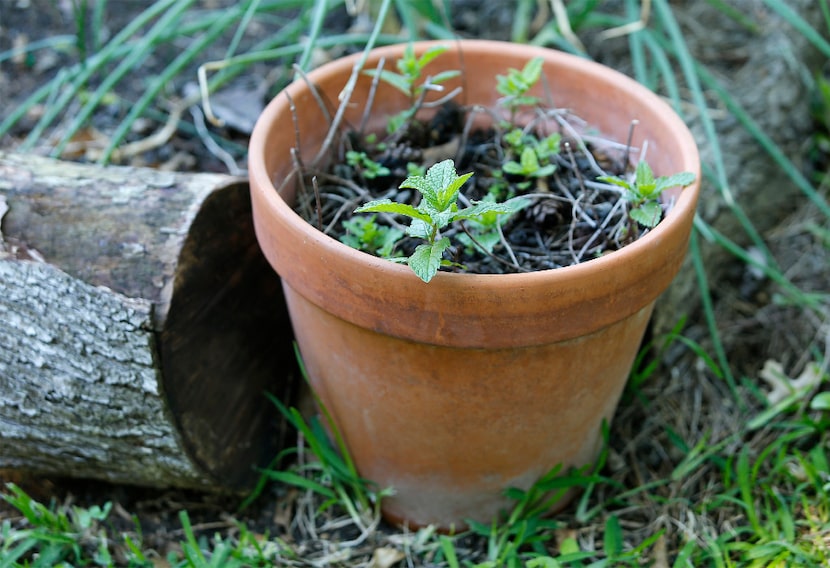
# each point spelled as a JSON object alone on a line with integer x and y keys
{"x": 226, "y": 342}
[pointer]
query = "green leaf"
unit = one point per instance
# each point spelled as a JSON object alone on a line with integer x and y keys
{"x": 444, "y": 76}
{"x": 543, "y": 562}
{"x": 443, "y": 178}
{"x": 532, "y": 71}
{"x": 529, "y": 161}
{"x": 440, "y": 186}
{"x": 485, "y": 241}
{"x": 569, "y": 546}
{"x": 403, "y": 84}
{"x": 426, "y": 260}
{"x": 544, "y": 171}
{"x": 677, "y": 180}
{"x": 613, "y": 541}
{"x": 616, "y": 180}
{"x": 513, "y": 168}
{"x": 424, "y": 185}
{"x": 644, "y": 179}
{"x": 389, "y": 206}
{"x": 821, "y": 401}
{"x": 431, "y": 54}
{"x": 420, "y": 229}
{"x": 478, "y": 209}
{"x": 648, "y": 214}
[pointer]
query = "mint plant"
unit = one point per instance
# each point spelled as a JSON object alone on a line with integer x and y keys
{"x": 515, "y": 85}
{"x": 363, "y": 233}
{"x": 369, "y": 168}
{"x": 439, "y": 190}
{"x": 535, "y": 156}
{"x": 645, "y": 190}
{"x": 411, "y": 70}
{"x": 528, "y": 165}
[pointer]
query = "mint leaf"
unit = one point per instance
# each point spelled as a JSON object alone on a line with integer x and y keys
{"x": 420, "y": 230}
{"x": 616, "y": 180}
{"x": 431, "y": 54}
{"x": 644, "y": 179}
{"x": 426, "y": 260}
{"x": 532, "y": 71}
{"x": 483, "y": 207}
{"x": 677, "y": 180}
{"x": 529, "y": 161}
{"x": 648, "y": 214}
{"x": 396, "y": 80}
{"x": 389, "y": 206}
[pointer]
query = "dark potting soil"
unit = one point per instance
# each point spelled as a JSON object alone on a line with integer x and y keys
{"x": 571, "y": 217}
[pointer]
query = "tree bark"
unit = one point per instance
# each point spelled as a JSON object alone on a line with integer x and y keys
{"x": 140, "y": 327}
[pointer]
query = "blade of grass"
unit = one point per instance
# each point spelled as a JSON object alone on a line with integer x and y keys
{"x": 789, "y": 289}
{"x": 635, "y": 46}
{"x": 780, "y": 158}
{"x": 81, "y": 73}
{"x": 709, "y": 313}
{"x": 317, "y": 20}
{"x": 139, "y": 52}
{"x": 174, "y": 68}
{"x": 519, "y": 33}
{"x": 250, "y": 10}
{"x": 350, "y": 84}
{"x": 56, "y": 43}
{"x": 677, "y": 45}
{"x": 807, "y": 31}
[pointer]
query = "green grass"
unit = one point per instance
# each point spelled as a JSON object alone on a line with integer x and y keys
{"x": 748, "y": 487}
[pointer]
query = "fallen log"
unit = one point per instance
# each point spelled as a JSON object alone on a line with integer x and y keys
{"x": 140, "y": 327}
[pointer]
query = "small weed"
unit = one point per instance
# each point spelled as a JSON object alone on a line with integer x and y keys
{"x": 333, "y": 475}
{"x": 55, "y": 536}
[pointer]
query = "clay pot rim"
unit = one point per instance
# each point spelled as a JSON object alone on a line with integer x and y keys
{"x": 648, "y": 244}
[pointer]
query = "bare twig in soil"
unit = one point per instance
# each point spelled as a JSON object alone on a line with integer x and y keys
{"x": 631, "y": 127}
{"x": 514, "y": 265}
{"x": 318, "y": 203}
{"x": 372, "y": 90}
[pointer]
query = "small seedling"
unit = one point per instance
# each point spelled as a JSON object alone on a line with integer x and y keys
{"x": 411, "y": 71}
{"x": 528, "y": 165}
{"x": 438, "y": 208}
{"x": 367, "y": 166}
{"x": 534, "y": 155}
{"x": 363, "y": 233}
{"x": 644, "y": 192}
{"x": 515, "y": 85}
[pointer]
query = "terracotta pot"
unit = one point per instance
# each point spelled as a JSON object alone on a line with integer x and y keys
{"x": 452, "y": 391}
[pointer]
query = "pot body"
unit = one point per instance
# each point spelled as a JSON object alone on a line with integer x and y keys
{"x": 452, "y": 391}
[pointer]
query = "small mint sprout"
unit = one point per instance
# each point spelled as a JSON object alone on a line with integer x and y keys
{"x": 363, "y": 233}
{"x": 367, "y": 166}
{"x": 515, "y": 85}
{"x": 411, "y": 71}
{"x": 644, "y": 192}
{"x": 528, "y": 165}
